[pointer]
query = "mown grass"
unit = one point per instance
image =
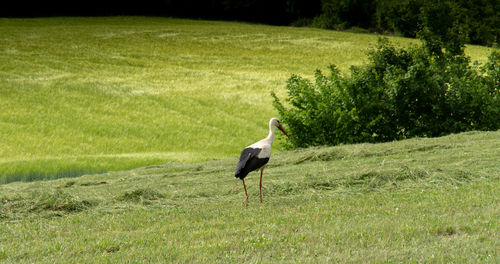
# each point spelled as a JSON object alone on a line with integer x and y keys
{"x": 85, "y": 95}
{"x": 419, "y": 200}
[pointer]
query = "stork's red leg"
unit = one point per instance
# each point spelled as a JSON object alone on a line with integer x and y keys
{"x": 246, "y": 194}
{"x": 260, "y": 184}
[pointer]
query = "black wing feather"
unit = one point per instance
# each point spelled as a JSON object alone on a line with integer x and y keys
{"x": 246, "y": 154}
{"x": 249, "y": 162}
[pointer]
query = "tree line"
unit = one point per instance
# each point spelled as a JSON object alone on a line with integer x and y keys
{"x": 477, "y": 20}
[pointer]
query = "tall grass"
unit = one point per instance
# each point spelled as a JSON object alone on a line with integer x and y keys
{"x": 95, "y": 94}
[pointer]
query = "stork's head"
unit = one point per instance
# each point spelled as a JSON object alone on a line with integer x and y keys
{"x": 275, "y": 122}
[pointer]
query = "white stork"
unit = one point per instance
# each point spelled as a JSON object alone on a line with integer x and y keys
{"x": 256, "y": 156}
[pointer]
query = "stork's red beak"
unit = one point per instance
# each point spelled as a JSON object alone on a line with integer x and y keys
{"x": 283, "y": 130}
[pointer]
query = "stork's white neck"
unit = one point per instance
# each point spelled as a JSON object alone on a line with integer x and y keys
{"x": 270, "y": 136}
{"x": 265, "y": 144}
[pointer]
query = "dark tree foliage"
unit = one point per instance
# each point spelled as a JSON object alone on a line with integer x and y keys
{"x": 398, "y": 16}
{"x": 343, "y": 14}
{"x": 38, "y": 8}
{"x": 478, "y": 20}
{"x": 278, "y": 12}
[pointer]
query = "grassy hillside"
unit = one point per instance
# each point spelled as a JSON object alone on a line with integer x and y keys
{"x": 96, "y": 94}
{"x": 420, "y": 200}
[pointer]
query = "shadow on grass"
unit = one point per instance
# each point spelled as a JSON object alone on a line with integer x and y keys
{"x": 37, "y": 176}
{"x": 43, "y": 203}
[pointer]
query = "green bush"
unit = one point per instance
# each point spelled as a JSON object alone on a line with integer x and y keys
{"x": 398, "y": 94}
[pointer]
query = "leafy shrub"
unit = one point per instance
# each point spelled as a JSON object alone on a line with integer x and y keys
{"x": 398, "y": 94}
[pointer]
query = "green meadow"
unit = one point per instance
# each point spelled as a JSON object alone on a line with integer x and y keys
{"x": 89, "y": 95}
{"x": 153, "y": 112}
{"x": 430, "y": 200}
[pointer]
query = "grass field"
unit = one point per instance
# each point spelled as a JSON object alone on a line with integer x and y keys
{"x": 419, "y": 200}
{"x": 84, "y": 95}
{"x": 177, "y": 100}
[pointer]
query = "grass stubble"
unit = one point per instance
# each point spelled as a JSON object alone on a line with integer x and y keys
{"x": 418, "y": 200}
